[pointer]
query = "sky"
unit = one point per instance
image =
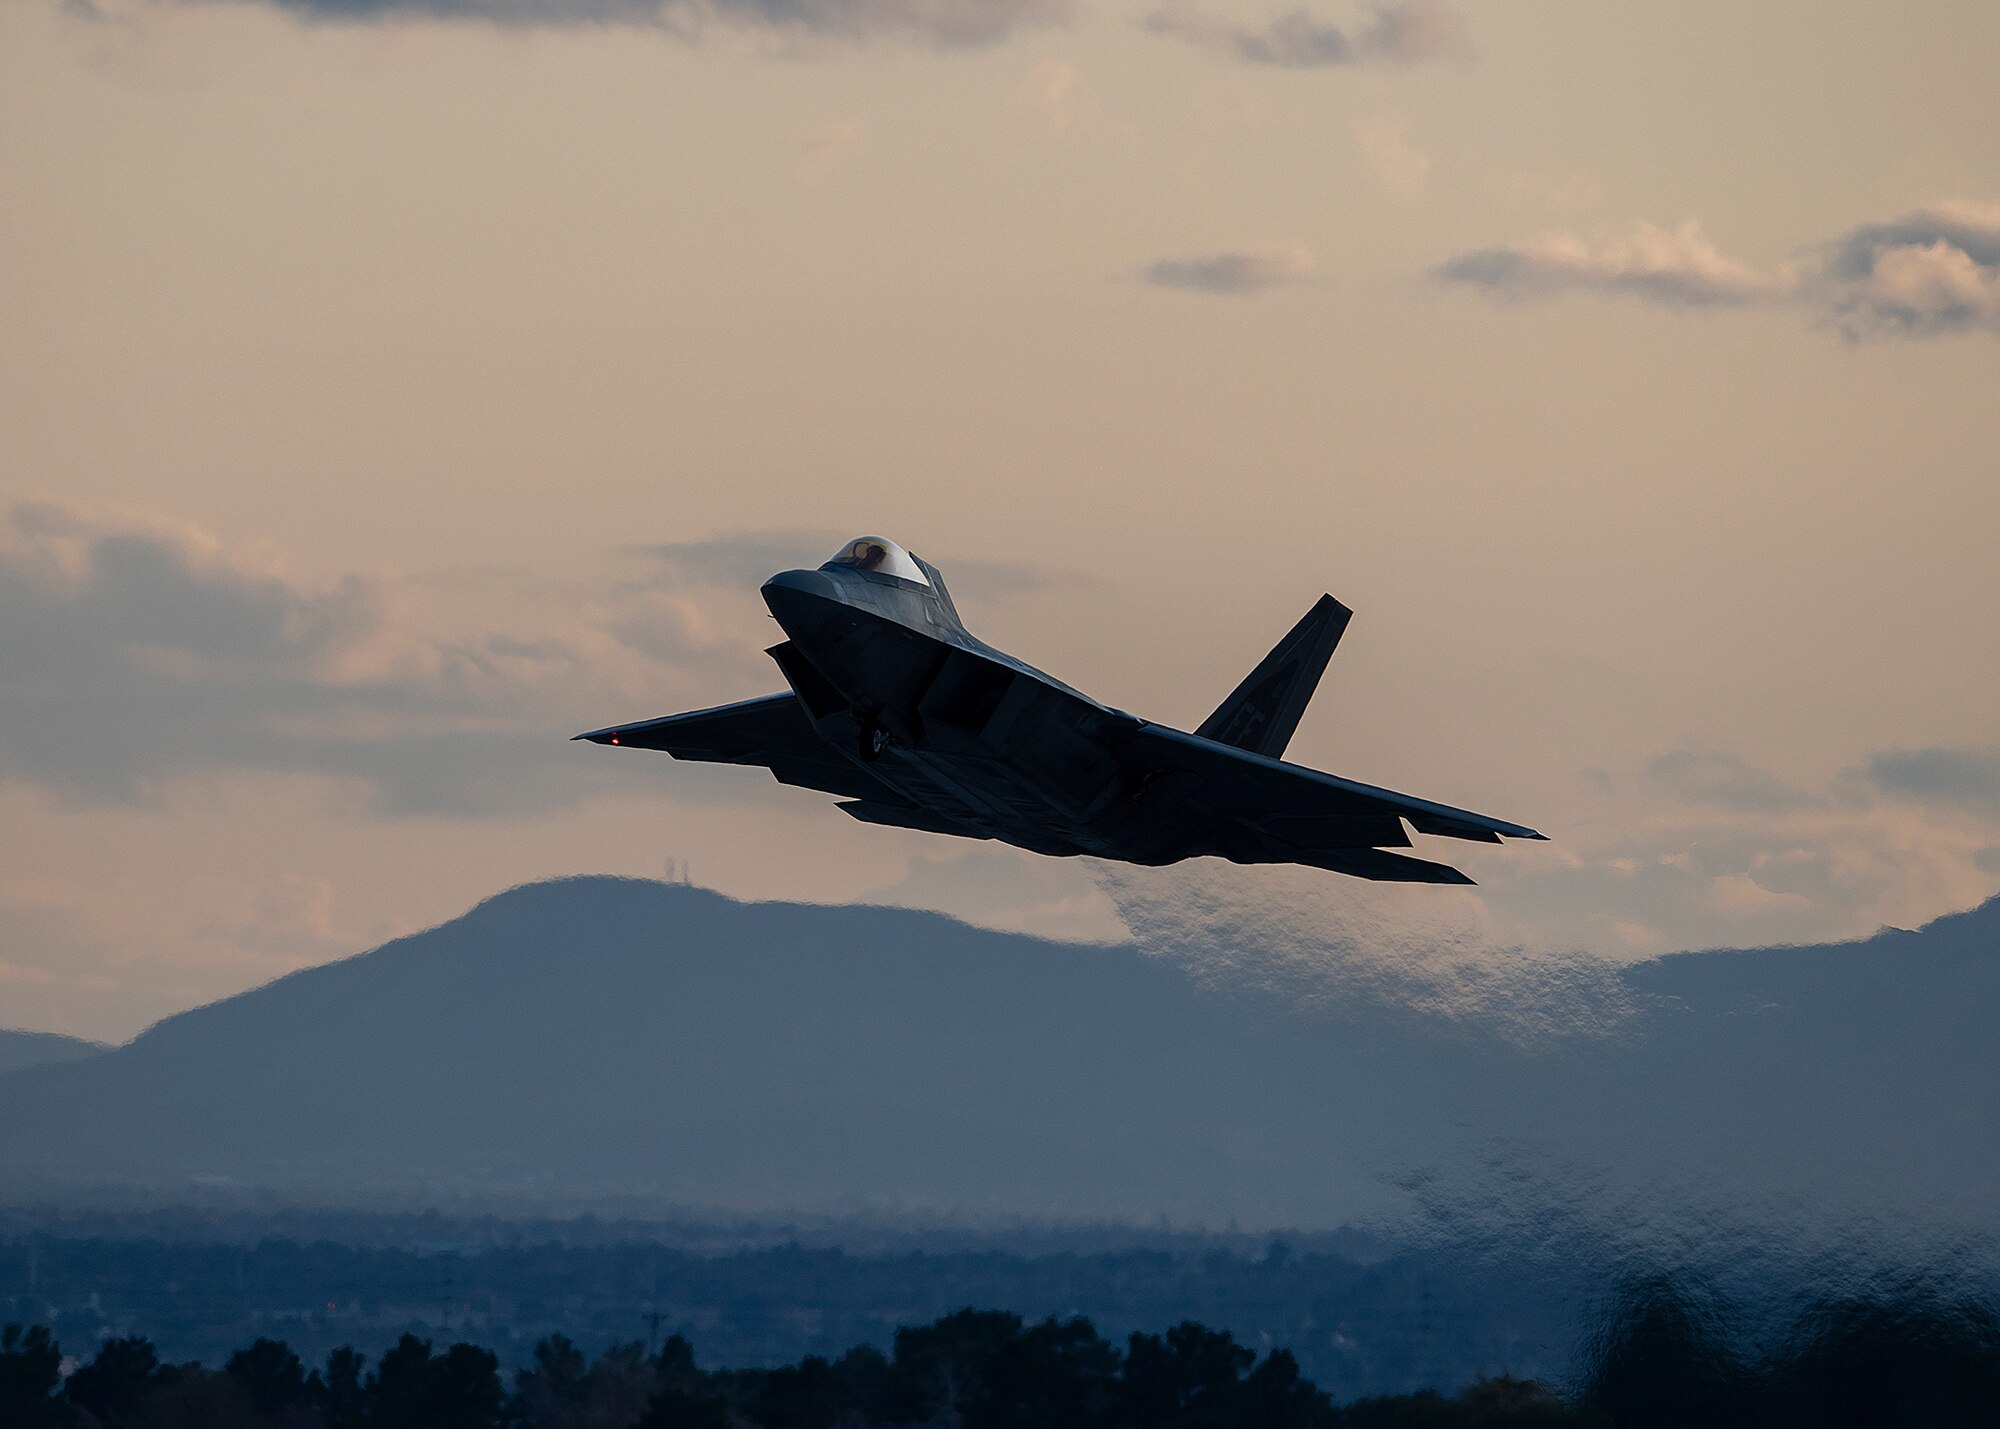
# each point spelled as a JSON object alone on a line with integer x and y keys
{"x": 393, "y": 388}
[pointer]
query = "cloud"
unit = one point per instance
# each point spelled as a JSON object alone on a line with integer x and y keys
{"x": 827, "y": 148}
{"x": 746, "y": 558}
{"x": 1933, "y": 271}
{"x": 1928, "y": 273}
{"x": 1233, "y": 274}
{"x": 1390, "y": 157}
{"x": 1676, "y": 267}
{"x": 1961, "y": 778}
{"x": 1055, "y": 102}
{"x": 1709, "y": 850}
{"x": 138, "y": 657}
{"x": 1405, "y": 33}
{"x": 1725, "y": 781}
{"x": 138, "y": 653}
{"x": 945, "y": 24}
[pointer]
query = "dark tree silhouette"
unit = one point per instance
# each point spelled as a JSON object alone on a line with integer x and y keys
{"x": 805, "y": 1395}
{"x": 271, "y": 1376}
{"x": 553, "y": 1392}
{"x": 1054, "y": 1373}
{"x": 675, "y": 1361}
{"x": 684, "y": 1399}
{"x": 939, "y": 1363}
{"x": 867, "y": 1383}
{"x": 1912, "y": 1360}
{"x": 620, "y": 1385}
{"x": 1426, "y": 1409}
{"x": 1506, "y": 1400}
{"x": 678, "y": 1408}
{"x": 30, "y": 1370}
{"x": 112, "y": 1385}
{"x": 1188, "y": 1377}
{"x": 1664, "y": 1356}
{"x": 339, "y": 1394}
{"x": 1662, "y": 1359}
{"x": 1277, "y": 1395}
{"x": 194, "y": 1398}
{"x": 412, "y": 1389}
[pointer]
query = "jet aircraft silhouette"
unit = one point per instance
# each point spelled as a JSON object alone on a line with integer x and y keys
{"x": 895, "y": 706}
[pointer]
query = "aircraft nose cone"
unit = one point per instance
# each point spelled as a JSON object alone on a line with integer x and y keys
{"x": 800, "y": 599}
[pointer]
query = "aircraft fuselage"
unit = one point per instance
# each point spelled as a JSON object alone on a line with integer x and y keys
{"x": 886, "y": 669}
{"x": 898, "y": 709}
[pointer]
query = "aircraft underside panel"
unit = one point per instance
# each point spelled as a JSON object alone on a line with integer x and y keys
{"x": 1002, "y": 755}
{"x": 901, "y": 816}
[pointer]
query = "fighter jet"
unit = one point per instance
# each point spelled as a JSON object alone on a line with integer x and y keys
{"x": 917, "y": 724}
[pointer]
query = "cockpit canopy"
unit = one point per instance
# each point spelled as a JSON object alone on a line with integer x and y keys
{"x": 879, "y": 553}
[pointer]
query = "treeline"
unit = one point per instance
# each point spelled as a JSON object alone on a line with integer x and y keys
{"x": 1664, "y": 1357}
{"x": 971, "y": 1370}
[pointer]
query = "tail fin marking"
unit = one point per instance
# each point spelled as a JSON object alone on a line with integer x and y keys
{"x": 1262, "y": 713}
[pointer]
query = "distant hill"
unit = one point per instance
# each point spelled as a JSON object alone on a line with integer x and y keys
{"x": 610, "y": 1036}
{"x": 30, "y": 1049}
{"x": 617, "y": 1035}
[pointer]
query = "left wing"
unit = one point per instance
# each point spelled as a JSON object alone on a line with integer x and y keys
{"x": 1264, "y": 810}
{"x": 773, "y": 732}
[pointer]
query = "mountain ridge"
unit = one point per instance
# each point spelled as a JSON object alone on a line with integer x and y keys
{"x": 20, "y": 1048}
{"x": 602, "y": 1036}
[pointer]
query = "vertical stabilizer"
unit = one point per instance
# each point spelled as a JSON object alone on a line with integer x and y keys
{"x": 1265, "y": 709}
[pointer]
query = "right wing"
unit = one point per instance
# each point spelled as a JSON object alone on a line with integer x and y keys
{"x": 772, "y": 732}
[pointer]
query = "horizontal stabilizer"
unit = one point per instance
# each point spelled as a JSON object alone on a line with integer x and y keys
{"x": 1265, "y": 709}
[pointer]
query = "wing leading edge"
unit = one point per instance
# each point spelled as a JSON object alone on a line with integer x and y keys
{"x": 772, "y": 732}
